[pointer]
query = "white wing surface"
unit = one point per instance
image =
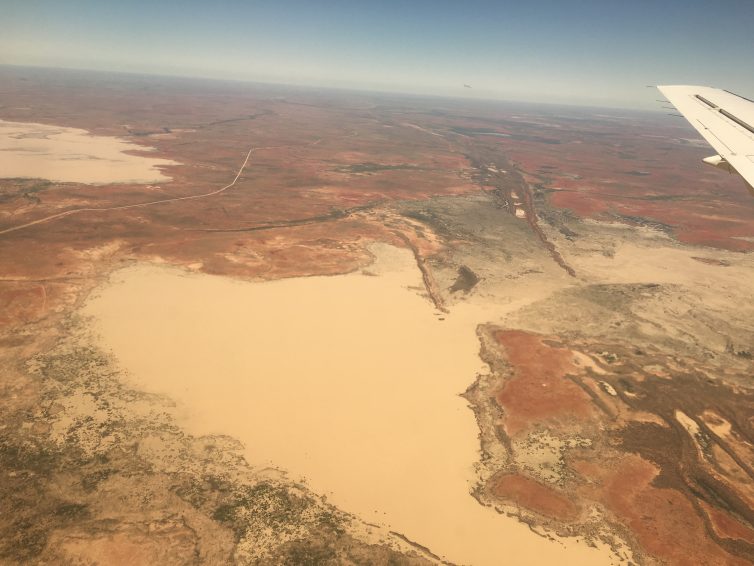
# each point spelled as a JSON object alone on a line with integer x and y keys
{"x": 724, "y": 119}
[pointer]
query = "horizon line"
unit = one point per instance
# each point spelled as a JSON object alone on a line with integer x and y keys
{"x": 364, "y": 90}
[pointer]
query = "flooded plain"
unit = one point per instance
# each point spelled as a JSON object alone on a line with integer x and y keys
{"x": 348, "y": 382}
{"x": 72, "y": 155}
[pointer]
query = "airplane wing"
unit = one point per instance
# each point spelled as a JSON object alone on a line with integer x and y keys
{"x": 725, "y": 120}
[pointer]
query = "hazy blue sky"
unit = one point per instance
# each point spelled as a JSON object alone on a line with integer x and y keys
{"x": 578, "y": 51}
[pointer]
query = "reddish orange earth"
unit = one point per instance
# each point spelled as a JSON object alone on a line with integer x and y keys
{"x": 635, "y": 460}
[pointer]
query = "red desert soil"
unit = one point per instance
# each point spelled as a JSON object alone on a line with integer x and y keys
{"x": 635, "y": 456}
{"x": 540, "y": 391}
{"x": 665, "y": 522}
{"x": 534, "y": 495}
{"x": 327, "y": 177}
{"x": 638, "y": 168}
{"x": 726, "y": 526}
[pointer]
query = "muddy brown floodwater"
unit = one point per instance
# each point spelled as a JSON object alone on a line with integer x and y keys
{"x": 72, "y": 155}
{"x": 348, "y": 382}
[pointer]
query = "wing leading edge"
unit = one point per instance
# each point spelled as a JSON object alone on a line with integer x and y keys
{"x": 725, "y": 120}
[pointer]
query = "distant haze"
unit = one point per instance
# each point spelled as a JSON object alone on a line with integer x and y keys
{"x": 591, "y": 52}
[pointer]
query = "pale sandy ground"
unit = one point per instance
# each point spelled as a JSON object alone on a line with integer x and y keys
{"x": 29, "y": 150}
{"x": 350, "y": 382}
{"x": 706, "y": 297}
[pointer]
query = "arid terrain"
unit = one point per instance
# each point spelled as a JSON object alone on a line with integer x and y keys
{"x": 259, "y": 324}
